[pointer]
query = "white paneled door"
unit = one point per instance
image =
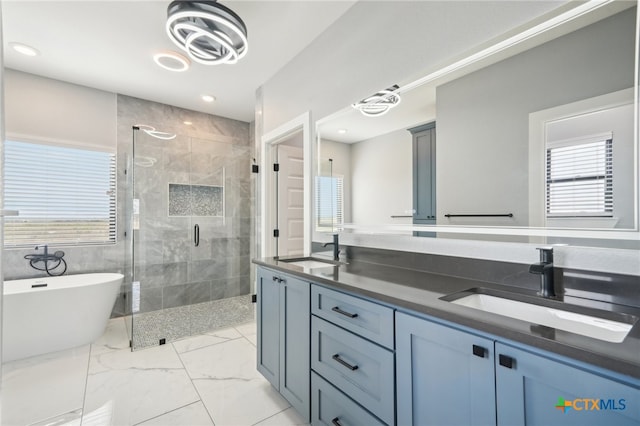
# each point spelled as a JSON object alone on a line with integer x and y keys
{"x": 290, "y": 201}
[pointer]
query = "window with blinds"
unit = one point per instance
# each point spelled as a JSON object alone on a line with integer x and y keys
{"x": 329, "y": 203}
{"x": 580, "y": 177}
{"x": 65, "y": 196}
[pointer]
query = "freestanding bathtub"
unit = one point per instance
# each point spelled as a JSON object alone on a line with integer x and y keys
{"x": 42, "y": 315}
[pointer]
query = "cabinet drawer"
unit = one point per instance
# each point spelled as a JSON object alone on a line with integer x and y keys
{"x": 332, "y": 408}
{"x": 361, "y": 369}
{"x": 368, "y": 319}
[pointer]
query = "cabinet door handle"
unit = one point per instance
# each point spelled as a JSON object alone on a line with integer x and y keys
{"x": 479, "y": 351}
{"x": 336, "y": 421}
{"x": 196, "y": 235}
{"x": 344, "y": 363}
{"x": 345, "y": 313}
{"x": 506, "y": 361}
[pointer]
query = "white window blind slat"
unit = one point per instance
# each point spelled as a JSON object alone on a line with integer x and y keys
{"x": 64, "y": 195}
{"x": 579, "y": 178}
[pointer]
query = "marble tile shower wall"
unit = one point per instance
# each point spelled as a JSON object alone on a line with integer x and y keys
{"x": 221, "y": 268}
{"x": 213, "y": 151}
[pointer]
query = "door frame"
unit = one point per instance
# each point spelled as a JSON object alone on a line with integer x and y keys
{"x": 268, "y": 182}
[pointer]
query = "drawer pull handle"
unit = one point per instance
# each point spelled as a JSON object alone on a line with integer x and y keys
{"x": 336, "y": 421}
{"x": 344, "y": 363}
{"x": 345, "y": 313}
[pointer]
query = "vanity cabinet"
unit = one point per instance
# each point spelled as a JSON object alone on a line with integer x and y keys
{"x": 424, "y": 174}
{"x": 449, "y": 376}
{"x": 444, "y": 376}
{"x": 283, "y": 323}
{"x": 352, "y": 359}
{"x": 531, "y": 390}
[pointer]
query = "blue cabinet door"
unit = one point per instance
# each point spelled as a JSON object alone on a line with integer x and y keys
{"x": 268, "y": 325}
{"x": 295, "y": 331}
{"x": 444, "y": 376}
{"x": 535, "y": 390}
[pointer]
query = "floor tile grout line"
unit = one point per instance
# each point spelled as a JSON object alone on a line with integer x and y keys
{"x": 273, "y": 415}
{"x": 205, "y": 346}
{"x": 186, "y": 370}
{"x": 171, "y": 411}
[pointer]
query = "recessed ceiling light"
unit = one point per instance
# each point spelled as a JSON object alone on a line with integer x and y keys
{"x": 342, "y": 131}
{"x": 208, "y": 98}
{"x": 188, "y": 123}
{"x": 24, "y": 49}
{"x": 172, "y": 61}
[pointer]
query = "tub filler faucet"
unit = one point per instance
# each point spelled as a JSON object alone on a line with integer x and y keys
{"x": 47, "y": 262}
{"x": 544, "y": 268}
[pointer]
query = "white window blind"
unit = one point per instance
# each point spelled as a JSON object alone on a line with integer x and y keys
{"x": 329, "y": 203}
{"x": 580, "y": 177}
{"x": 64, "y": 195}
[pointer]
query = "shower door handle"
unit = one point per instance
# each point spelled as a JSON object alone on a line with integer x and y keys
{"x": 196, "y": 235}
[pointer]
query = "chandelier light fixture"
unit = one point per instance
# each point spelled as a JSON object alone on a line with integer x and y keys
{"x": 210, "y": 33}
{"x": 379, "y": 103}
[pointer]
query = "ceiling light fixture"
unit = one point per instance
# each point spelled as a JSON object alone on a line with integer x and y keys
{"x": 342, "y": 131}
{"x": 24, "y": 49}
{"x": 210, "y": 33}
{"x": 171, "y": 61}
{"x": 208, "y": 98}
{"x": 379, "y": 103}
{"x": 151, "y": 131}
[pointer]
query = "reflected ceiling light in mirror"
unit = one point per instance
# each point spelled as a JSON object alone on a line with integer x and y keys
{"x": 151, "y": 131}
{"x": 171, "y": 61}
{"x": 24, "y": 49}
{"x": 379, "y": 103}
{"x": 210, "y": 33}
{"x": 208, "y": 98}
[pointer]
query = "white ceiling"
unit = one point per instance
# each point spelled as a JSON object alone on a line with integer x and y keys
{"x": 109, "y": 45}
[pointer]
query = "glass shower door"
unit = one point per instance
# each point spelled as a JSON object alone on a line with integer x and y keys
{"x": 191, "y": 237}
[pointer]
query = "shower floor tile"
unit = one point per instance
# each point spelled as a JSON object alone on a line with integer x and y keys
{"x": 202, "y": 380}
{"x": 173, "y": 324}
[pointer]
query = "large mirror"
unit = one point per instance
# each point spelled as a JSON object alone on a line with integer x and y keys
{"x": 536, "y": 132}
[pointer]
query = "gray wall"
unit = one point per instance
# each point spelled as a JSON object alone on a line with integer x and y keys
{"x": 483, "y": 118}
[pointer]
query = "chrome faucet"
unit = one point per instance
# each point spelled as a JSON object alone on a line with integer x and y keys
{"x": 544, "y": 268}
{"x": 336, "y": 247}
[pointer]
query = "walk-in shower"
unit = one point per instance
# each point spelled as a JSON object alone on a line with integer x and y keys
{"x": 189, "y": 225}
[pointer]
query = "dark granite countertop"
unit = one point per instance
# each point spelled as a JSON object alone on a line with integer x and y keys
{"x": 421, "y": 292}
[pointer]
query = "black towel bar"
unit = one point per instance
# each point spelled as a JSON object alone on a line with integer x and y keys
{"x": 479, "y": 215}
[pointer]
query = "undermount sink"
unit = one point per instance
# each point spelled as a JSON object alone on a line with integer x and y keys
{"x": 586, "y": 325}
{"x": 309, "y": 262}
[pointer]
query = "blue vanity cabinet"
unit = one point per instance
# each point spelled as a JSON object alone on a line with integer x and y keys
{"x": 352, "y": 360}
{"x": 444, "y": 376}
{"x": 284, "y": 336}
{"x": 532, "y": 389}
{"x": 268, "y": 325}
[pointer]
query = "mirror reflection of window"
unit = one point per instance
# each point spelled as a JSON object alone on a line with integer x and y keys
{"x": 329, "y": 203}
{"x": 579, "y": 179}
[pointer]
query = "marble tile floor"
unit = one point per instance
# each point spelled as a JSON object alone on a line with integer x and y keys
{"x": 207, "y": 379}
